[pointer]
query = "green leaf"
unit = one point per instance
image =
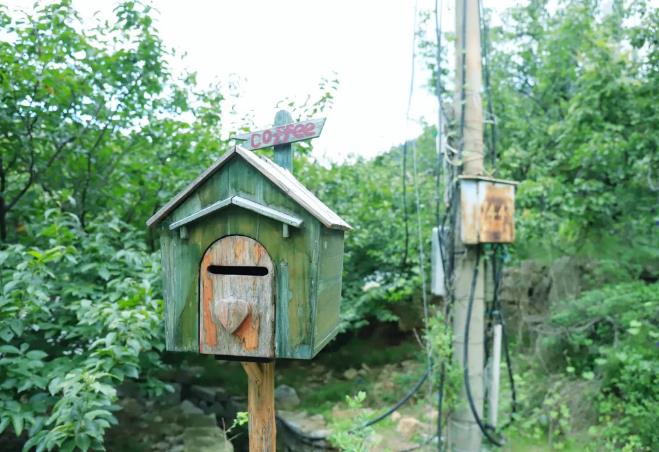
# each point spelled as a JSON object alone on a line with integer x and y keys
{"x": 4, "y": 422}
{"x": 36, "y": 354}
{"x": 17, "y": 423}
{"x": 9, "y": 349}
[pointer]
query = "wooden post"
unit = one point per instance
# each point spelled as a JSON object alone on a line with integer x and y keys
{"x": 464, "y": 433}
{"x": 261, "y": 406}
{"x": 284, "y": 152}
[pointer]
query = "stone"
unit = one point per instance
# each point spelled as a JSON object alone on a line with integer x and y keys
{"x": 408, "y": 426}
{"x": 286, "y": 397}
{"x": 200, "y": 420}
{"x": 291, "y": 424}
{"x": 205, "y": 439}
{"x": 206, "y": 393}
{"x": 189, "y": 408}
{"x": 350, "y": 374}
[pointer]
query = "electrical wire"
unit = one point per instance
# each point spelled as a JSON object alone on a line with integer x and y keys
{"x": 488, "y": 92}
{"x": 487, "y": 430}
{"x": 311, "y": 439}
{"x": 496, "y": 314}
{"x": 316, "y": 438}
{"x": 398, "y": 404}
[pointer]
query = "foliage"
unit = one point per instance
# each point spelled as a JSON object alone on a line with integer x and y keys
{"x": 347, "y": 433}
{"x": 381, "y": 263}
{"x": 95, "y": 133}
{"x": 92, "y": 115}
{"x": 611, "y": 334}
{"x": 439, "y": 337}
{"x": 78, "y": 315}
{"x": 575, "y": 100}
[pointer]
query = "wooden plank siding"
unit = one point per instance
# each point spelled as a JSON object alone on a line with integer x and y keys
{"x": 327, "y": 306}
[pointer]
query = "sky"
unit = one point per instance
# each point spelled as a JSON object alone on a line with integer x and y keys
{"x": 277, "y": 50}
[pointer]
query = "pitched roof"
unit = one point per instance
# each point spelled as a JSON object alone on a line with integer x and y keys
{"x": 279, "y": 176}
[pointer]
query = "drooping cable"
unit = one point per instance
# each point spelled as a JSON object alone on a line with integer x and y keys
{"x": 496, "y": 314}
{"x": 400, "y": 403}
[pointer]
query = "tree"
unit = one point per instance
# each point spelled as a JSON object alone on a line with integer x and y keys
{"x": 575, "y": 101}
{"x": 87, "y": 114}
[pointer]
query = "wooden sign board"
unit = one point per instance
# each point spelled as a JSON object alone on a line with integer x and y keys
{"x": 284, "y": 134}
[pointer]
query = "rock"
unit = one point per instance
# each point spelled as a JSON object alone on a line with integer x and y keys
{"x": 291, "y": 424}
{"x": 208, "y": 393}
{"x": 200, "y": 420}
{"x": 205, "y": 439}
{"x": 189, "y": 408}
{"x": 350, "y": 374}
{"x": 286, "y": 397}
{"x": 408, "y": 426}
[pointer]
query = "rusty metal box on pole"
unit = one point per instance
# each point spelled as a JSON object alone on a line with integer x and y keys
{"x": 487, "y": 208}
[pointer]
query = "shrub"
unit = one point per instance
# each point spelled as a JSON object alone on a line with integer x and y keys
{"x": 78, "y": 315}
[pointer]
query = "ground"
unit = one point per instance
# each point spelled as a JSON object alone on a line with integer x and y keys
{"x": 384, "y": 364}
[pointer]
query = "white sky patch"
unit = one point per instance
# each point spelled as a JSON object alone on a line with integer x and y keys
{"x": 282, "y": 49}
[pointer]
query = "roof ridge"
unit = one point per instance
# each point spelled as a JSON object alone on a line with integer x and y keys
{"x": 279, "y": 176}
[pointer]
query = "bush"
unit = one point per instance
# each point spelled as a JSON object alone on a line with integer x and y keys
{"x": 78, "y": 315}
{"x": 611, "y": 334}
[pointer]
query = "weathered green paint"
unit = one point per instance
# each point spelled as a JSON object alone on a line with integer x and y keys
{"x": 308, "y": 263}
{"x": 284, "y": 297}
{"x": 326, "y": 318}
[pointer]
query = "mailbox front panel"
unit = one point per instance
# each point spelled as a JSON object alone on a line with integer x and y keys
{"x": 237, "y": 307}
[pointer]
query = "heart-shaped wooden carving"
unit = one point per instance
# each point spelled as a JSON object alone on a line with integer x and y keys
{"x": 231, "y": 313}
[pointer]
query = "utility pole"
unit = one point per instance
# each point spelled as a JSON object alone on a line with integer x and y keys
{"x": 464, "y": 433}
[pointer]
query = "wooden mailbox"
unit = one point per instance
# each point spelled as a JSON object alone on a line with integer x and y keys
{"x": 252, "y": 263}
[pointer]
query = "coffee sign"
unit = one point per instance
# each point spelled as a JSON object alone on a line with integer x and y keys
{"x": 288, "y": 133}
